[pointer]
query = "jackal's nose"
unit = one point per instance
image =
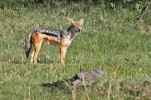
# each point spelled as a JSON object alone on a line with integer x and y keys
{"x": 79, "y": 30}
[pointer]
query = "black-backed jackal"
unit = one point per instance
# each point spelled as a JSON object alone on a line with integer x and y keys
{"x": 62, "y": 38}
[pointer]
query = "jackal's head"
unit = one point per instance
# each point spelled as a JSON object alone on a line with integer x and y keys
{"x": 76, "y": 26}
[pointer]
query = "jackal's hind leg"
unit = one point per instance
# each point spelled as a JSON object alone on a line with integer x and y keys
{"x": 37, "y": 47}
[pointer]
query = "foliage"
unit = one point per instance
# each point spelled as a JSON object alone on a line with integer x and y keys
{"x": 132, "y": 4}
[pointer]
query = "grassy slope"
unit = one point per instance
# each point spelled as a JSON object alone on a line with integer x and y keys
{"x": 108, "y": 39}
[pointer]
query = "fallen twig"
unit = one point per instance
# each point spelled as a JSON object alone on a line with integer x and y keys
{"x": 143, "y": 13}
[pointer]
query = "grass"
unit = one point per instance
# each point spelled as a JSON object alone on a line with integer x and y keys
{"x": 109, "y": 38}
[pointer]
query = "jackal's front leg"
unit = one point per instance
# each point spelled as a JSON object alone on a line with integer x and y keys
{"x": 63, "y": 50}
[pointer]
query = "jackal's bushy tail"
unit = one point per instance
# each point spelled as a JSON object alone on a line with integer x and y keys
{"x": 28, "y": 45}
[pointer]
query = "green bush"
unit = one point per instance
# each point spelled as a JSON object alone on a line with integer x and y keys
{"x": 47, "y": 3}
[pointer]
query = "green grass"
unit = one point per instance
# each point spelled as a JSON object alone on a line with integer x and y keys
{"x": 109, "y": 38}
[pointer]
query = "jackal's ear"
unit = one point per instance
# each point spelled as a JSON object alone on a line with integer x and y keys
{"x": 70, "y": 20}
{"x": 81, "y": 21}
